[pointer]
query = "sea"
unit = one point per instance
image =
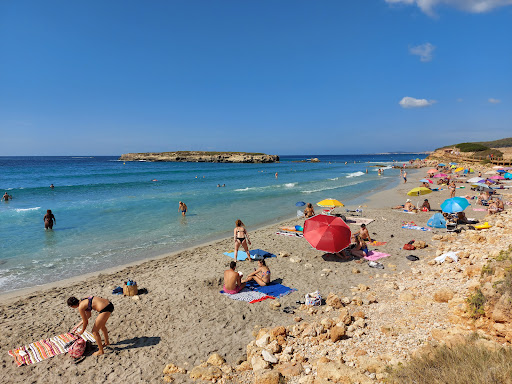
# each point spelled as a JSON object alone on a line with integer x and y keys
{"x": 110, "y": 213}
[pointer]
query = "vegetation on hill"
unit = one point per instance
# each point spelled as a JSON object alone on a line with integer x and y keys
{"x": 501, "y": 143}
{"x": 471, "y": 147}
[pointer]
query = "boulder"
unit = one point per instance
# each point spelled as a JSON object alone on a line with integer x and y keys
{"x": 502, "y": 311}
{"x": 171, "y": 369}
{"x": 344, "y": 316}
{"x": 333, "y": 301}
{"x": 263, "y": 341}
{"x": 205, "y": 373}
{"x": 443, "y": 295}
{"x": 277, "y": 331}
{"x": 337, "y": 332}
{"x": 216, "y": 360}
{"x": 338, "y": 372}
{"x": 243, "y": 366}
{"x": 268, "y": 377}
{"x": 290, "y": 369}
{"x": 268, "y": 356}
{"x": 257, "y": 363}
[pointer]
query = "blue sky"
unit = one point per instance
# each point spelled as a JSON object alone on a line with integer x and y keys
{"x": 281, "y": 77}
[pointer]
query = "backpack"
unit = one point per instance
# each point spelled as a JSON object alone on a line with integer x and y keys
{"x": 78, "y": 348}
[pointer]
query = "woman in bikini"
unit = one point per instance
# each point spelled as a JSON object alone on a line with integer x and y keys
{"x": 241, "y": 238}
{"x": 85, "y": 307}
{"x": 260, "y": 275}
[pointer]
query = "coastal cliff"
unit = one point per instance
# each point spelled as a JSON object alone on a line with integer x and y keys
{"x": 201, "y": 157}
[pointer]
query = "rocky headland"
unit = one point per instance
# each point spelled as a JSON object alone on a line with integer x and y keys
{"x": 201, "y": 157}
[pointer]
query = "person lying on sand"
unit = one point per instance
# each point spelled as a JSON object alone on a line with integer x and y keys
{"x": 408, "y": 207}
{"x": 363, "y": 232}
{"x": 232, "y": 280}
{"x": 85, "y": 307}
{"x": 260, "y": 275}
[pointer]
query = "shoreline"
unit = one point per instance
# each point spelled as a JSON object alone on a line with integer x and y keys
{"x": 8, "y": 296}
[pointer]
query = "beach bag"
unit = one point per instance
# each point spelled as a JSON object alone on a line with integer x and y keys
{"x": 409, "y": 247}
{"x": 313, "y": 299}
{"x": 78, "y": 348}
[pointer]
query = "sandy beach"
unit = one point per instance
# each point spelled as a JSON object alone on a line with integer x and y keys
{"x": 183, "y": 318}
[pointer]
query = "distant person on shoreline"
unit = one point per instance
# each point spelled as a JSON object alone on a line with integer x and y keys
{"x": 241, "y": 239}
{"x": 49, "y": 220}
{"x": 452, "y": 188}
{"x": 85, "y": 307}
{"x": 309, "y": 211}
{"x": 405, "y": 177}
{"x": 182, "y": 208}
{"x": 232, "y": 280}
{"x": 260, "y": 275}
{"x": 6, "y": 197}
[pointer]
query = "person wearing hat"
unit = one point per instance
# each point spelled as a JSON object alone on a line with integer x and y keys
{"x": 425, "y": 206}
{"x": 408, "y": 206}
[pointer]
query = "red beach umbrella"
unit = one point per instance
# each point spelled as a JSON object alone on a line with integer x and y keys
{"x": 327, "y": 233}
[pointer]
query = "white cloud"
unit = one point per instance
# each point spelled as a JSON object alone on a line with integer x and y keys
{"x": 411, "y": 102}
{"x": 494, "y": 101}
{"x": 474, "y": 6}
{"x": 424, "y": 51}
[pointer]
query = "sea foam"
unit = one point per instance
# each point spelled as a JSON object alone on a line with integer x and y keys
{"x": 354, "y": 174}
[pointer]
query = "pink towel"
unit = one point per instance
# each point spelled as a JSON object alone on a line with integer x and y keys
{"x": 479, "y": 209}
{"x": 374, "y": 255}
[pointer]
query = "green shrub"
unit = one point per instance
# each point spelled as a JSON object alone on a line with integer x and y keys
{"x": 471, "y": 147}
{"x": 476, "y": 303}
{"x": 464, "y": 363}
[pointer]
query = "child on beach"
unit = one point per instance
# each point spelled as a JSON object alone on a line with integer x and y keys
{"x": 232, "y": 280}
{"x": 241, "y": 238}
{"x": 260, "y": 275}
{"x": 85, "y": 307}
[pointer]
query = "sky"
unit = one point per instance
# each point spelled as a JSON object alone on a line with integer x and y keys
{"x": 282, "y": 77}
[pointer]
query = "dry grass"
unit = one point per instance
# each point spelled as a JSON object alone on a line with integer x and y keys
{"x": 461, "y": 364}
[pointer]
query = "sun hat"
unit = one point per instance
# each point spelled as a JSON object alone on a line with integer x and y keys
{"x": 408, "y": 200}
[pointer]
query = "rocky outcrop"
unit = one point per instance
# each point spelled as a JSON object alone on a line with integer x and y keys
{"x": 201, "y": 157}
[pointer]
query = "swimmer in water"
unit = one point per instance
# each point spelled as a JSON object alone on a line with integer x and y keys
{"x": 51, "y": 186}
{"x": 6, "y": 197}
{"x": 49, "y": 219}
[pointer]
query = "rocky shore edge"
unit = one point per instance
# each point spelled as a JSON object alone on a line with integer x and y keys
{"x": 201, "y": 157}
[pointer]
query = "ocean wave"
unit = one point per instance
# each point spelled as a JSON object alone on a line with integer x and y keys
{"x": 336, "y": 187}
{"x": 334, "y": 178}
{"x": 22, "y": 210}
{"x": 290, "y": 185}
{"x": 354, "y": 174}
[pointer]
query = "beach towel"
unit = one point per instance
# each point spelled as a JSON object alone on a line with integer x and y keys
{"x": 376, "y": 243}
{"x": 479, "y": 209}
{"x": 273, "y": 290}
{"x": 297, "y": 228}
{"x": 44, "y": 349}
{"x": 247, "y": 295}
{"x": 256, "y": 254}
{"x": 292, "y": 234}
{"x": 416, "y": 227}
{"x": 359, "y": 220}
{"x": 373, "y": 255}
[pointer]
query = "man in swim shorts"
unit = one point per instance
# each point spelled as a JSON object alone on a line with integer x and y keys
{"x": 182, "y": 208}
{"x": 232, "y": 280}
{"x": 363, "y": 232}
{"x": 6, "y": 197}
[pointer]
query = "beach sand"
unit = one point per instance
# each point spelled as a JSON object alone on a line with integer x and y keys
{"x": 183, "y": 318}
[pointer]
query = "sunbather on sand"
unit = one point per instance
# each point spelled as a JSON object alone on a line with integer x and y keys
{"x": 232, "y": 280}
{"x": 361, "y": 249}
{"x": 260, "y": 275}
{"x": 426, "y": 205}
{"x": 309, "y": 211}
{"x": 85, "y": 307}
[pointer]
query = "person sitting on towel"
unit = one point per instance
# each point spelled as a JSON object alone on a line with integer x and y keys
{"x": 360, "y": 249}
{"x": 232, "y": 280}
{"x": 309, "y": 211}
{"x": 260, "y": 275}
{"x": 363, "y": 232}
{"x": 425, "y": 205}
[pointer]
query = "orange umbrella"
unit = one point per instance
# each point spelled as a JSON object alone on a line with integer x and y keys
{"x": 433, "y": 170}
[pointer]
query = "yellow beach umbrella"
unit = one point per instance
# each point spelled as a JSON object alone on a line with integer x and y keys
{"x": 419, "y": 191}
{"x": 330, "y": 203}
{"x": 459, "y": 169}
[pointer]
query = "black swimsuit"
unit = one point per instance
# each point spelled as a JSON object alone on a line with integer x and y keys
{"x": 240, "y": 239}
{"x": 108, "y": 308}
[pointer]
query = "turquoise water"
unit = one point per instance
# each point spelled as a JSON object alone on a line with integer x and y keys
{"x": 111, "y": 213}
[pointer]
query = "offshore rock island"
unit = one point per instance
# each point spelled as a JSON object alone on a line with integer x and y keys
{"x": 201, "y": 157}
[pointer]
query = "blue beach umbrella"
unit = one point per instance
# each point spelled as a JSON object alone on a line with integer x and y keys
{"x": 441, "y": 165}
{"x": 508, "y": 175}
{"x": 500, "y": 171}
{"x": 300, "y": 204}
{"x": 453, "y": 163}
{"x": 455, "y": 204}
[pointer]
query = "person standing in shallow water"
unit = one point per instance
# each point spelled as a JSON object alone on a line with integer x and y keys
{"x": 49, "y": 219}
{"x": 182, "y": 208}
{"x": 6, "y": 197}
{"x": 85, "y": 307}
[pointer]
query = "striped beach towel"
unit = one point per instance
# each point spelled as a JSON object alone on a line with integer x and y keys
{"x": 292, "y": 234}
{"x": 44, "y": 349}
{"x": 248, "y": 296}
